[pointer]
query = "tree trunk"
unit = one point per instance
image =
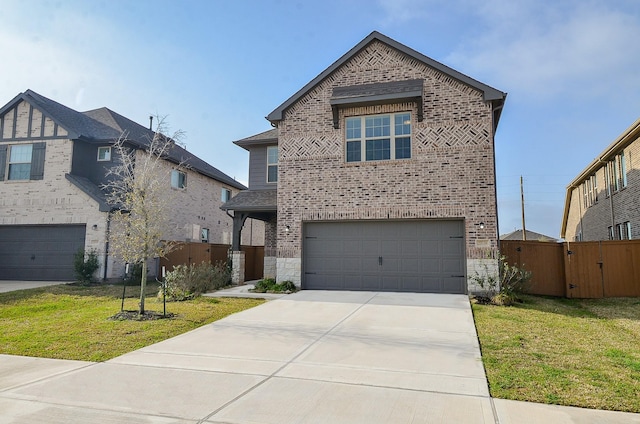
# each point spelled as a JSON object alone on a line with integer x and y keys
{"x": 143, "y": 286}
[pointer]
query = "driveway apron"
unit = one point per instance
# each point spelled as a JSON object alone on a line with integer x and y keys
{"x": 310, "y": 357}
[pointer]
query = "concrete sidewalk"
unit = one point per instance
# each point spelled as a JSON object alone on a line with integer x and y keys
{"x": 309, "y": 357}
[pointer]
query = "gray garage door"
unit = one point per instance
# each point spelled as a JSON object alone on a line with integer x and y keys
{"x": 409, "y": 256}
{"x": 39, "y": 252}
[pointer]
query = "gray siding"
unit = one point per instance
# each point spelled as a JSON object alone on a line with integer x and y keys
{"x": 85, "y": 162}
{"x": 258, "y": 169}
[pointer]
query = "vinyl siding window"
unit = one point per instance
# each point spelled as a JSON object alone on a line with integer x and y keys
{"x": 104, "y": 154}
{"x": 272, "y": 164}
{"x": 385, "y": 137}
{"x": 178, "y": 179}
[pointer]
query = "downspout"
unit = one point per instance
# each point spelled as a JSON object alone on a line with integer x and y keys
{"x": 106, "y": 246}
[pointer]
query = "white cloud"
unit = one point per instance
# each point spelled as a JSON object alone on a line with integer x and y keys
{"x": 560, "y": 50}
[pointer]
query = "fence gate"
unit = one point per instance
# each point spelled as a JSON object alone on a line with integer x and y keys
{"x": 583, "y": 270}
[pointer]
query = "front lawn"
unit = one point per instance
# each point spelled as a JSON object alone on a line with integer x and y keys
{"x": 71, "y": 322}
{"x": 582, "y": 353}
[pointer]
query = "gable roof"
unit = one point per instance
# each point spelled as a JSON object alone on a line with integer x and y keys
{"x": 489, "y": 93}
{"x": 265, "y": 137}
{"x": 531, "y": 235}
{"x": 105, "y": 125}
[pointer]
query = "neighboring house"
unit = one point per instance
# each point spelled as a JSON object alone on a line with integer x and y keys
{"x": 378, "y": 175}
{"x": 531, "y": 236}
{"x": 53, "y": 161}
{"x": 603, "y": 201}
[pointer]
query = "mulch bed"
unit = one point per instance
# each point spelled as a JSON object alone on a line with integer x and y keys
{"x": 135, "y": 316}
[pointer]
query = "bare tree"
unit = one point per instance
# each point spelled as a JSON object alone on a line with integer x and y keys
{"x": 139, "y": 189}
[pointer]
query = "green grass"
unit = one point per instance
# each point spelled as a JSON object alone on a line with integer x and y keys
{"x": 72, "y": 322}
{"x": 582, "y": 353}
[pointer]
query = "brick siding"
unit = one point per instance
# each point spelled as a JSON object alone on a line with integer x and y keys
{"x": 450, "y": 173}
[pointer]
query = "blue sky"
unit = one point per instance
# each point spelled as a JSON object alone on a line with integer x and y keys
{"x": 215, "y": 69}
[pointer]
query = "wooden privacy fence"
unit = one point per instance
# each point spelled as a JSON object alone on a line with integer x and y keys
{"x": 591, "y": 269}
{"x": 196, "y": 253}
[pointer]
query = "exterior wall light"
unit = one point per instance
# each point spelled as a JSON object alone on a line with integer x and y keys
{"x": 286, "y": 229}
{"x": 482, "y": 225}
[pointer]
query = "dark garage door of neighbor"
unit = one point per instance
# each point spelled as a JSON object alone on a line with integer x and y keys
{"x": 39, "y": 252}
{"x": 405, "y": 256}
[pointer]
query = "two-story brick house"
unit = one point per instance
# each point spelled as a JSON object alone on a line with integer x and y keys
{"x": 603, "y": 201}
{"x": 378, "y": 175}
{"x": 53, "y": 162}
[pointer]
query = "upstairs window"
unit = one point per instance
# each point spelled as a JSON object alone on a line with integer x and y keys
{"x": 226, "y": 195}
{"x": 104, "y": 154}
{"x": 20, "y": 162}
{"x": 385, "y": 137}
{"x": 623, "y": 169}
{"x": 272, "y": 164}
{"x": 204, "y": 235}
{"x": 178, "y": 179}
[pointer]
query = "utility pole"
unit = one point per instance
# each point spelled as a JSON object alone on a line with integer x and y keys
{"x": 524, "y": 228}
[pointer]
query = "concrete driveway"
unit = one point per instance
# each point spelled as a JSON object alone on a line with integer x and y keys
{"x": 310, "y": 357}
{"x": 10, "y": 285}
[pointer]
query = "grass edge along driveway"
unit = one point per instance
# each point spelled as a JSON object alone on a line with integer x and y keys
{"x": 71, "y": 322}
{"x": 573, "y": 352}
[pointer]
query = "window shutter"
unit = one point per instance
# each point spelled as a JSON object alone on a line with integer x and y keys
{"x": 37, "y": 161}
{"x": 3, "y": 161}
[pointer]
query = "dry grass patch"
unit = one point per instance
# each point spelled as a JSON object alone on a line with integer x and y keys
{"x": 72, "y": 322}
{"x": 568, "y": 352}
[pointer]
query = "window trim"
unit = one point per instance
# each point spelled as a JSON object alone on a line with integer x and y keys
{"x": 393, "y": 138}
{"x": 107, "y": 149}
{"x": 204, "y": 235}
{"x": 9, "y": 162}
{"x": 184, "y": 182}
{"x": 272, "y": 165}
{"x": 225, "y": 195}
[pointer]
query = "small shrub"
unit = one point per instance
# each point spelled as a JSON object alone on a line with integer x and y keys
{"x": 264, "y": 285}
{"x": 188, "y": 281}
{"x": 505, "y": 287}
{"x": 269, "y": 285}
{"x": 85, "y": 265}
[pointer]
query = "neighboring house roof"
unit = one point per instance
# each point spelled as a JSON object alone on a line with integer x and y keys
{"x": 626, "y": 138}
{"x": 531, "y": 235}
{"x": 253, "y": 201}
{"x": 266, "y": 137}
{"x": 489, "y": 93}
{"x": 105, "y": 125}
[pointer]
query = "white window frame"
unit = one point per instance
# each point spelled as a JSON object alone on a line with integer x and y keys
{"x": 623, "y": 169}
{"x": 175, "y": 179}
{"x": 627, "y": 228}
{"x": 204, "y": 235}
{"x": 271, "y": 164}
{"x": 225, "y": 195}
{"x": 352, "y": 138}
{"x": 107, "y": 156}
{"x": 10, "y": 162}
